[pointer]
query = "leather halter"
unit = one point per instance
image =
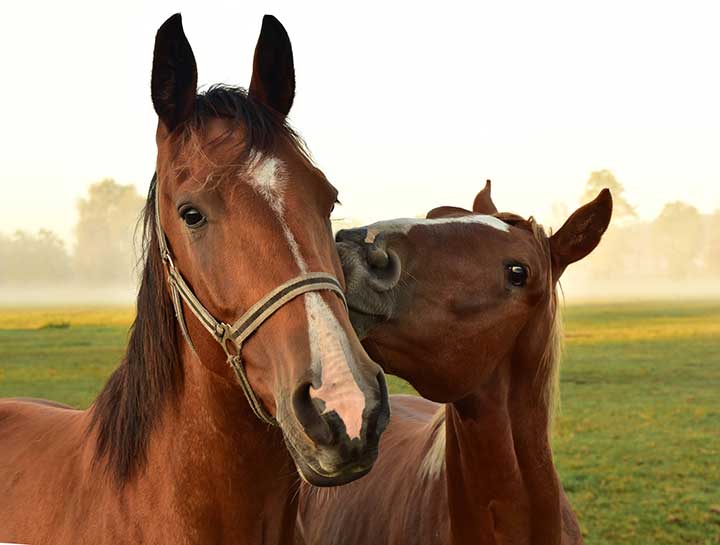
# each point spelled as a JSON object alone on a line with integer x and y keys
{"x": 231, "y": 336}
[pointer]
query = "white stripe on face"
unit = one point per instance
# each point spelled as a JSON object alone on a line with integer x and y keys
{"x": 403, "y": 225}
{"x": 331, "y": 354}
{"x": 330, "y": 350}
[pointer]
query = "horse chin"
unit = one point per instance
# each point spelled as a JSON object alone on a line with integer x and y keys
{"x": 315, "y": 478}
{"x": 315, "y": 475}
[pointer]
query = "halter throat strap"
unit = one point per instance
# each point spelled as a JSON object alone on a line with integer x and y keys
{"x": 232, "y": 336}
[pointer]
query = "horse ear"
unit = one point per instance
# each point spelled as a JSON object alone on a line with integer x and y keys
{"x": 483, "y": 203}
{"x": 174, "y": 74}
{"x": 581, "y": 233}
{"x": 447, "y": 212}
{"x": 273, "y": 77}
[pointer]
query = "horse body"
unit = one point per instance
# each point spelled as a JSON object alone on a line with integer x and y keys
{"x": 463, "y": 306}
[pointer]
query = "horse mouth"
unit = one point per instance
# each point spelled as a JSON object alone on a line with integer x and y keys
{"x": 314, "y": 475}
{"x": 363, "y": 312}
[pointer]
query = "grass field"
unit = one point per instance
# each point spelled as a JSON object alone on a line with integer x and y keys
{"x": 637, "y": 441}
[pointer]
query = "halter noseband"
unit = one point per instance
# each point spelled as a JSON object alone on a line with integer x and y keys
{"x": 232, "y": 336}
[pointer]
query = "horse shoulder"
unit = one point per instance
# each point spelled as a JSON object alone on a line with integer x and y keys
{"x": 42, "y": 446}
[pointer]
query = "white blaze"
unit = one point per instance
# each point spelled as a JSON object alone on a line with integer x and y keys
{"x": 329, "y": 346}
{"x": 330, "y": 350}
{"x": 403, "y": 225}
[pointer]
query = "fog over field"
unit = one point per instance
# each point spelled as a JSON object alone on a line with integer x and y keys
{"x": 673, "y": 256}
{"x": 404, "y": 108}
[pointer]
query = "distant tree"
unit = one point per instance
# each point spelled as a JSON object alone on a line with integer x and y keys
{"x": 678, "y": 237}
{"x": 622, "y": 209}
{"x": 711, "y": 252}
{"x": 107, "y": 217}
{"x": 27, "y": 259}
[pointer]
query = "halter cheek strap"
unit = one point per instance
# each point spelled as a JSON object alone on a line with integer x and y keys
{"x": 232, "y": 336}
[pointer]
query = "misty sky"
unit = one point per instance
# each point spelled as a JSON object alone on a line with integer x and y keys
{"x": 404, "y": 107}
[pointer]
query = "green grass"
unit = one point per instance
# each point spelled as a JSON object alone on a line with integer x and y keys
{"x": 637, "y": 441}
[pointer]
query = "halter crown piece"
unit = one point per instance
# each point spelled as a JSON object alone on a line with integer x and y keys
{"x": 232, "y": 336}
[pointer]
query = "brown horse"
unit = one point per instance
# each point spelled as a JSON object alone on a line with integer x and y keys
{"x": 463, "y": 306}
{"x": 171, "y": 451}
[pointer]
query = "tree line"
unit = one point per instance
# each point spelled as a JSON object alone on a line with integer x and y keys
{"x": 680, "y": 245}
{"x": 102, "y": 255}
{"x": 680, "y": 248}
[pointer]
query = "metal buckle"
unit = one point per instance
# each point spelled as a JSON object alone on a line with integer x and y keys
{"x": 223, "y": 334}
{"x": 167, "y": 258}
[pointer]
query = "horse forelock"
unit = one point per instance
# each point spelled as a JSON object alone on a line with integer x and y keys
{"x": 261, "y": 131}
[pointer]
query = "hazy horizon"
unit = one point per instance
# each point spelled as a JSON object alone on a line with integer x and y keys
{"x": 404, "y": 109}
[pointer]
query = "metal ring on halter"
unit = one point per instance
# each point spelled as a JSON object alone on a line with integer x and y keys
{"x": 248, "y": 323}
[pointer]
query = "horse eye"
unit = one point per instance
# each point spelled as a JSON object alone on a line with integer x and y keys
{"x": 192, "y": 217}
{"x": 517, "y": 275}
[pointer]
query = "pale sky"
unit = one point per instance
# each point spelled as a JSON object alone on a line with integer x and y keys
{"x": 404, "y": 106}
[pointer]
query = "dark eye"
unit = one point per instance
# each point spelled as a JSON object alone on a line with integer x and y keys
{"x": 517, "y": 275}
{"x": 192, "y": 217}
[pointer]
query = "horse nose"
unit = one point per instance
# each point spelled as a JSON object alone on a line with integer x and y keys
{"x": 327, "y": 429}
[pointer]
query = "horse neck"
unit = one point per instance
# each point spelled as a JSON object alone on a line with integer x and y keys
{"x": 230, "y": 474}
{"x": 502, "y": 484}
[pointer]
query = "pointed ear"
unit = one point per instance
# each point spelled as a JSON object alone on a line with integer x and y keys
{"x": 581, "y": 233}
{"x": 483, "y": 203}
{"x": 273, "y": 78}
{"x": 447, "y": 212}
{"x": 174, "y": 74}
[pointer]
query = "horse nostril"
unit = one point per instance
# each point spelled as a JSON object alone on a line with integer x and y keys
{"x": 377, "y": 257}
{"x": 384, "y": 268}
{"x": 308, "y": 414}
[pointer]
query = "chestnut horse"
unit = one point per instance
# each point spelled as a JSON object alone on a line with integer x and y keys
{"x": 171, "y": 451}
{"x": 463, "y": 306}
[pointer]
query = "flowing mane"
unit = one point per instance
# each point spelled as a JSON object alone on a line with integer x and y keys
{"x": 127, "y": 409}
{"x": 150, "y": 375}
{"x": 548, "y": 373}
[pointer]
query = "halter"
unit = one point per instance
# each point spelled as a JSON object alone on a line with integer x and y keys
{"x": 231, "y": 336}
